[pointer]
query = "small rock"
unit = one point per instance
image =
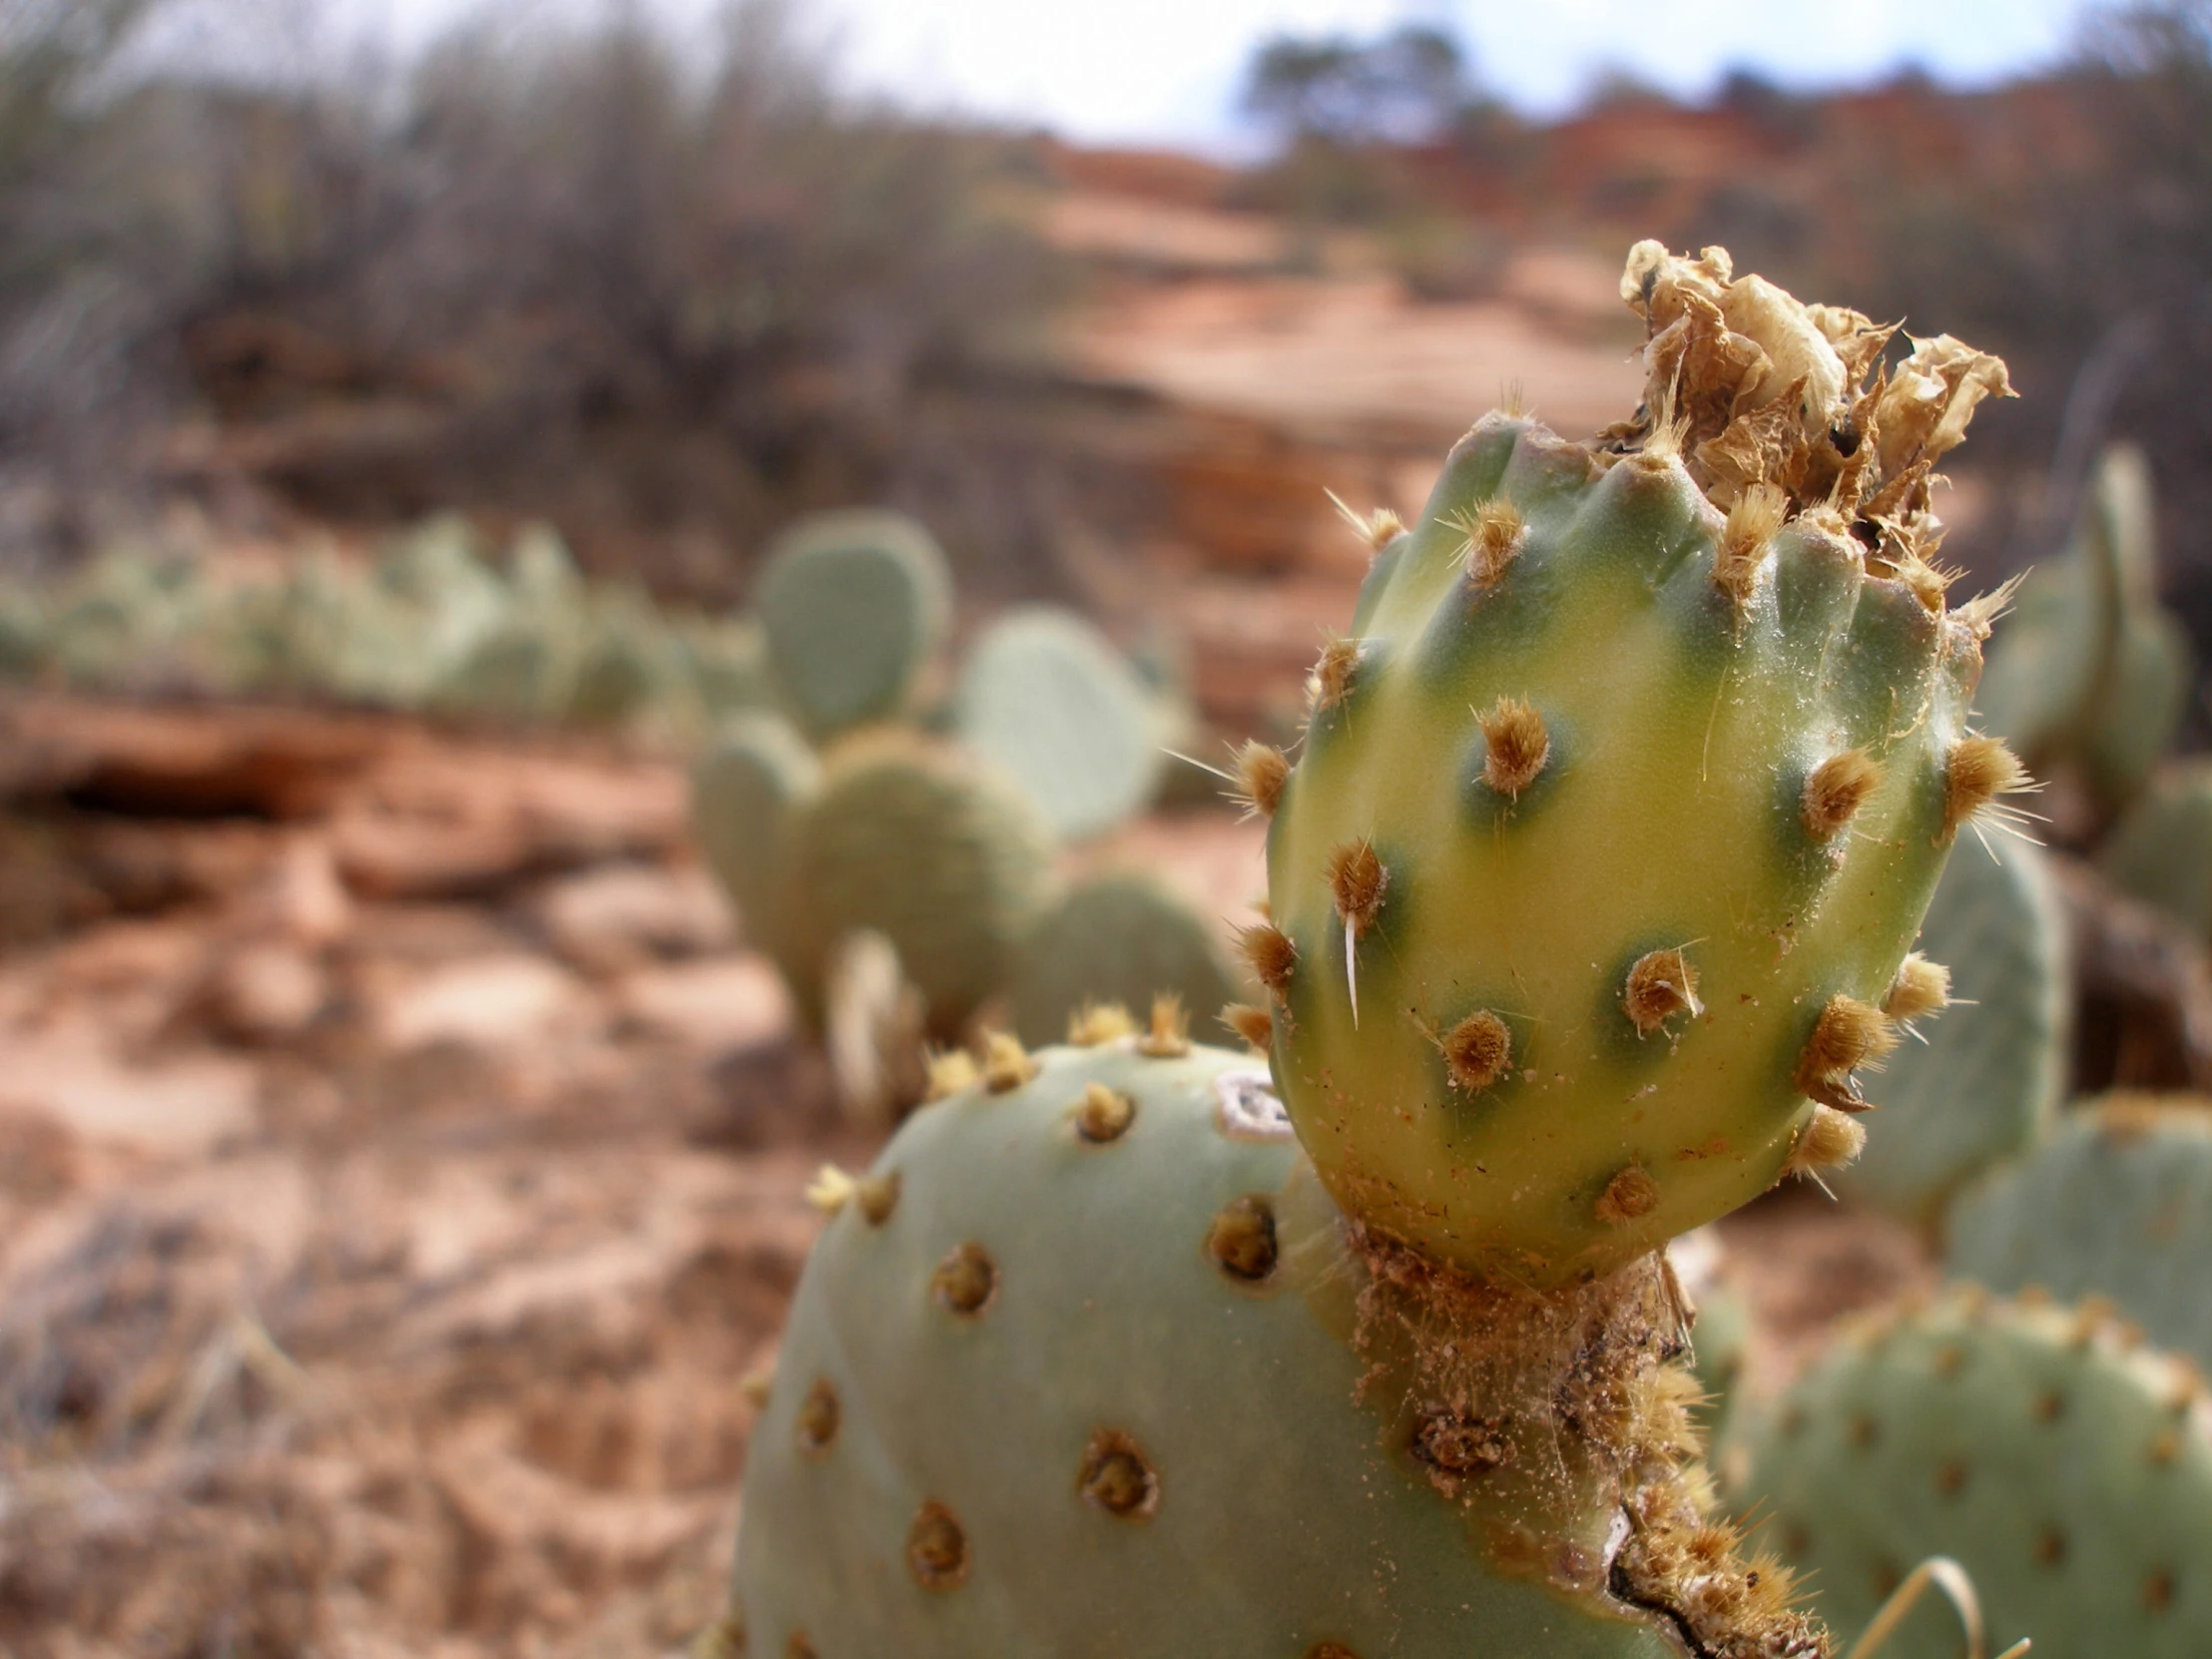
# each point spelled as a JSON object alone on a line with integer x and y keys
{"x": 624, "y": 917}
{"x": 719, "y": 1004}
{"x": 264, "y": 992}
{"x": 491, "y": 1002}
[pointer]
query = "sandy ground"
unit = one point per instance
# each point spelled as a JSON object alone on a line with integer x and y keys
{"x": 385, "y": 1236}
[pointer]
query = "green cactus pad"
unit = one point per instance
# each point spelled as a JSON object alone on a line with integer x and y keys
{"x": 1045, "y": 698}
{"x": 2117, "y": 1204}
{"x": 1990, "y": 1070}
{"x": 2161, "y": 851}
{"x": 2093, "y": 671}
{"x": 854, "y": 605}
{"x": 1072, "y": 1371}
{"x": 2068, "y": 1471}
{"x": 1563, "y": 780}
{"x": 1117, "y": 938}
{"x": 746, "y": 790}
{"x": 913, "y": 840}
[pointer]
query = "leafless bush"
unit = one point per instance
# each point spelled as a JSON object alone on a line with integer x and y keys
{"x": 585, "y": 271}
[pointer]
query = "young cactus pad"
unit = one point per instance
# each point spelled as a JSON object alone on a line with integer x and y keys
{"x": 916, "y": 841}
{"x": 1047, "y": 699}
{"x": 2065, "y": 1467}
{"x": 854, "y": 605}
{"x": 1118, "y": 939}
{"x": 745, "y": 791}
{"x": 1076, "y": 1369}
{"x": 1618, "y": 808}
{"x": 2117, "y": 1204}
{"x": 1981, "y": 1083}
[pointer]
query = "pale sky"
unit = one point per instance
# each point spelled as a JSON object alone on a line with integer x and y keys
{"x": 1166, "y": 71}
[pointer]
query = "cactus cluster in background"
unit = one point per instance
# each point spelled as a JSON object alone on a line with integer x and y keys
{"x": 1593, "y": 887}
{"x": 932, "y": 825}
{"x": 430, "y": 627}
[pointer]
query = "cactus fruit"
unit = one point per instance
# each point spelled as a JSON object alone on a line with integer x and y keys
{"x": 2094, "y": 673}
{"x": 854, "y": 605}
{"x": 2161, "y": 851}
{"x": 2117, "y": 1205}
{"x": 1985, "y": 1080}
{"x": 1047, "y": 700}
{"x": 1619, "y": 808}
{"x": 1120, "y": 938}
{"x": 746, "y": 790}
{"x": 1089, "y": 1363}
{"x": 2068, "y": 1470}
{"x": 913, "y": 840}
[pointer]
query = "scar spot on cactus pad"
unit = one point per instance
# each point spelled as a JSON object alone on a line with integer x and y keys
{"x": 1104, "y": 1115}
{"x": 1116, "y": 1476}
{"x": 1660, "y": 986}
{"x": 799, "y": 1647}
{"x": 1242, "y": 1240}
{"x": 937, "y": 1549}
{"x": 949, "y": 1074}
{"x": 815, "y": 1423}
{"x": 966, "y": 1280}
{"x": 1951, "y": 1479}
{"x": 1835, "y": 789}
{"x": 2050, "y": 1547}
{"x": 1247, "y": 1108}
{"x": 1848, "y": 1034}
{"x": 2158, "y": 1591}
{"x": 877, "y": 1195}
{"x": 1477, "y": 1050}
{"x": 1491, "y": 538}
{"x": 1920, "y": 988}
{"x": 1272, "y": 955}
{"x": 1828, "y": 1138}
{"x": 1255, "y": 1025}
{"x": 1975, "y": 772}
{"x": 1331, "y": 680}
{"x": 1099, "y": 1022}
{"x": 1262, "y": 772}
{"x": 1516, "y": 746}
{"x": 1630, "y": 1196}
{"x": 1330, "y": 1650}
{"x": 1006, "y": 1064}
{"x": 1168, "y": 1036}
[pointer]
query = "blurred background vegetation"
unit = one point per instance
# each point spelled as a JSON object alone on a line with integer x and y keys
{"x": 667, "y": 297}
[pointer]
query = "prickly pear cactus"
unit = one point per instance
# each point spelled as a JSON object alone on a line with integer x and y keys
{"x": 2161, "y": 851}
{"x": 1117, "y": 938}
{"x": 2117, "y": 1204}
{"x": 1088, "y": 1363}
{"x": 913, "y": 840}
{"x": 1045, "y": 698}
{"x": 747, "y": 791}
{"x": 854, "y": 605}
{"x": 2094, "y": 673}
{"x": 2068, "y": 1470}
{"x": 1982, "y": 1082}
{"x": 1619, "y": 806}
